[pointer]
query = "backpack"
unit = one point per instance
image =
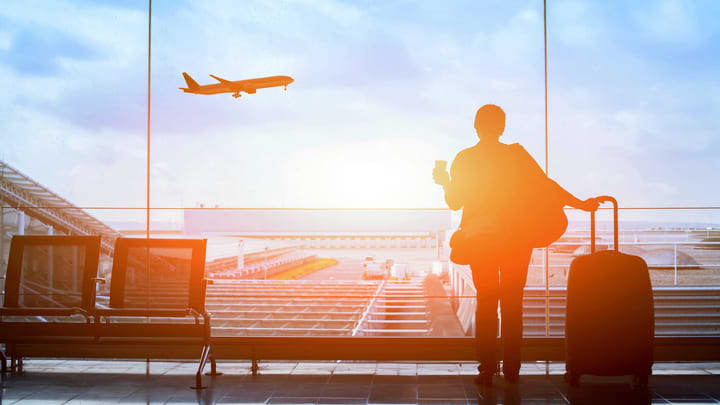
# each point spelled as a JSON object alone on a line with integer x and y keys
{"x": 534, "y": 216}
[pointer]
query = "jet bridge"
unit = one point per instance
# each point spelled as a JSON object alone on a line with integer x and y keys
{"x": 25, "y": 196}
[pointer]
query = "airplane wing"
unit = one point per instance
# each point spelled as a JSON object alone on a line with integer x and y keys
{"x": 221, "y": 80}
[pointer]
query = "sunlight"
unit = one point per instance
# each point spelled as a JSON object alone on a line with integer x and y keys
{"x": 364, "y": 174}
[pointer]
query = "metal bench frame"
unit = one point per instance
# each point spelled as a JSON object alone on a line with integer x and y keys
{"x": 98, "y": 336}
{"x": 12, "y": 333}
{"x": 172, "y": 333}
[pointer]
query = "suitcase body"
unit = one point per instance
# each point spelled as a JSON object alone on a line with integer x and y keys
{"x": 610, "y": 321}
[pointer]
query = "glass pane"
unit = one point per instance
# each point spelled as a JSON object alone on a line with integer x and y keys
{"x": 381, "y": 91}
{"x": 633, "y": 100}
{"x": 85, "y": 138}
{"x": 681, "y": 249}
{"x": 51, "y": 276}
{"x": 536, "y": 269}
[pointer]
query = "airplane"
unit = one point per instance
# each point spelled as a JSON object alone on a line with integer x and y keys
{"x": 249, "y": 86}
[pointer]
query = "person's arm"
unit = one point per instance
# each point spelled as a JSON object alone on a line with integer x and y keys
{"x": 453, "y": 195}
{"x": 591, "y": 204}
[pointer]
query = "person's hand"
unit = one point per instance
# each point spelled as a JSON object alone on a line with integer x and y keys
{"x": 591, "y": 204}
{"x": 441, "y": 177}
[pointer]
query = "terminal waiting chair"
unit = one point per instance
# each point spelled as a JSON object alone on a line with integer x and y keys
{"x": 49, "y": 292}
{"x": 155, "y": 283}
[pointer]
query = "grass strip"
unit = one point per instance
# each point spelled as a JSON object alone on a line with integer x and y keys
{"x": 305, "y": 269}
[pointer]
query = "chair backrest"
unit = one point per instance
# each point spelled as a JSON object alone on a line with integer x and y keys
{"x": 52, "y": 271}
{"x": 176, "y": 279}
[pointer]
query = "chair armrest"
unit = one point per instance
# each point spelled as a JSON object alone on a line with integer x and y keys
{"x": 196, "y": 314}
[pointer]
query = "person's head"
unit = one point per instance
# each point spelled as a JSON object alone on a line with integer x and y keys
{"x": 489, "y": 122}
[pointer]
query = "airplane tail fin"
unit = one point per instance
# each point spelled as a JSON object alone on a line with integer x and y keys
{"x": 192, "y": 84}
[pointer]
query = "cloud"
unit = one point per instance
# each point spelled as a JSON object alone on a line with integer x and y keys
{"x": 337, "y": 11}
{"x": 578, "y": 24}
{"x": 513, "y": 42}
{"x": 86, "y": 167}
{"x": 44, "y": 53}
{"x": 670, "y": 21}
{"x": 80, "y": 62}
{"x": 5, "y": 41}
{"x": 106, "y": 90}
{"x": 382, "y": 90}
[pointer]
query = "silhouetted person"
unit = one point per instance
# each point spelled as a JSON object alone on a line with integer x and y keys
{"x": 490, "y": 181}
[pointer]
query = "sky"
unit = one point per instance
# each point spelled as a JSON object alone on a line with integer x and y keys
{"x": 382, "y": 90}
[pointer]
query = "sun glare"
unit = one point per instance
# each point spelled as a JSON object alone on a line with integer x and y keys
{"x": 370, "y": 174}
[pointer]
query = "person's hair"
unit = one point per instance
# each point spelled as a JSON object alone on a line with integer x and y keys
{"x": 490, "y": 120}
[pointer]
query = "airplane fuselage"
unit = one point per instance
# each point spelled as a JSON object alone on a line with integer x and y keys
{"x": 235, "y": 87}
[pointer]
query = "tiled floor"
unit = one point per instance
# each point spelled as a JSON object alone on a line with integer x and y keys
{"x": 83, "y": 382}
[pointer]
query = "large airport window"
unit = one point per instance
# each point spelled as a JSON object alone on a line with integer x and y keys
{"x": 299, "y": 139}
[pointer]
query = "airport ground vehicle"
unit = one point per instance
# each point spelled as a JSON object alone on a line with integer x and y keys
{"x": 373, "y": 269}
{"x": 399, "y": 271}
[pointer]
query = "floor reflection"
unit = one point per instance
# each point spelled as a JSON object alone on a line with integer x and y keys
{"x": 61, "y": 381}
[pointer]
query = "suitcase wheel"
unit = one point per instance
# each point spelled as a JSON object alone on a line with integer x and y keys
{"x": 572, "y": 379}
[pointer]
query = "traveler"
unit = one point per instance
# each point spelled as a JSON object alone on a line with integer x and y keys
{"x": 494, "y": 183}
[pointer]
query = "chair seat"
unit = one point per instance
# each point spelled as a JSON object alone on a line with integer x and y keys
{"x": 15, "y": 311}
{"x": 52, "y": 331}
{"x": 149, "y": 312}
{"x": 21, "y": 331}
{"x": 150, "y": 331}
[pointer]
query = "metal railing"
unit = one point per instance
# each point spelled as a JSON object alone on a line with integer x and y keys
{"x": 670, "y": 272}
{"x": 679, "y": 310}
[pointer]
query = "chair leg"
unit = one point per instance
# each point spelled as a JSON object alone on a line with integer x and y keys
{"x": 13, "y": 359}
{"x": 254, "y": 367}
{"x": 198, "y": 376}
{"x": 3, "y": 360}
{"x": 20, "y": 364}
{"x": 213, "y": 365}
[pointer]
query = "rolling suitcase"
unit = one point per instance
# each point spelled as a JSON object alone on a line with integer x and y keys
{"x": 609, "y": 321}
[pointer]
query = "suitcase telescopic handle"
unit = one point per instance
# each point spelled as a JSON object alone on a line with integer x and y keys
{"x": 602, "y": 199}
